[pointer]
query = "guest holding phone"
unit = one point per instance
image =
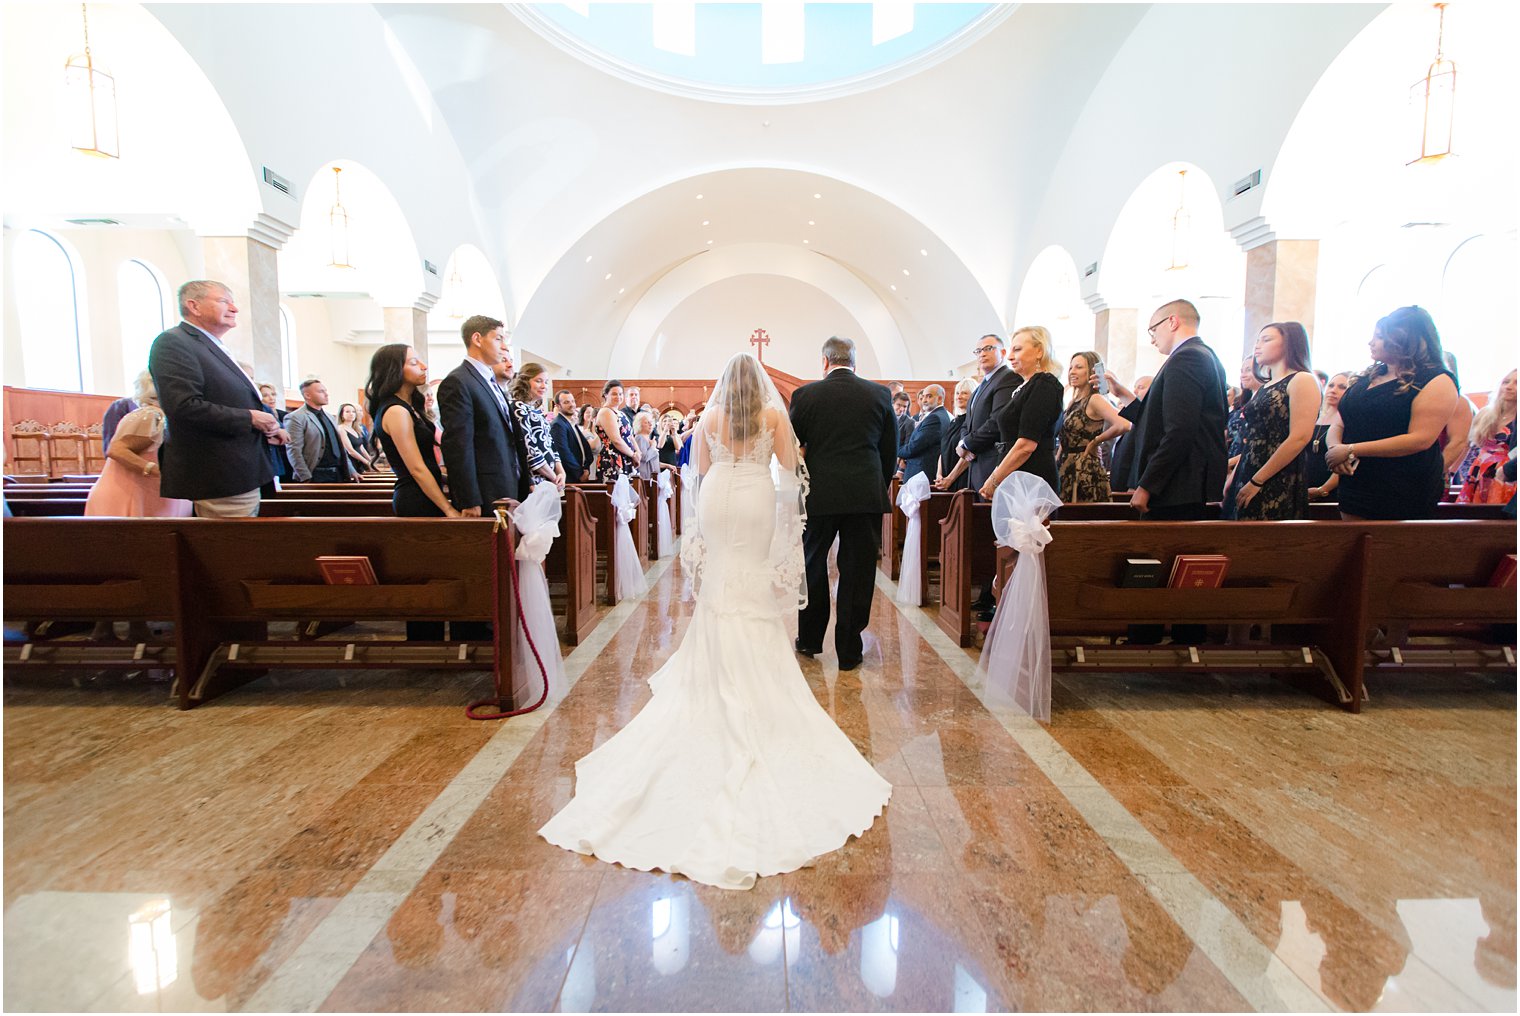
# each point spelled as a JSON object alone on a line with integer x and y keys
{"x": 1089, "y": 415}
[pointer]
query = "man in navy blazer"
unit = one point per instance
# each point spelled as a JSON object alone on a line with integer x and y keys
{"x": 569, "y": 443}
{"x": 484, "y": 451}
{"x": 980, "y": 436}
{"x": 848, "y": 435}
{"x": 218, "y": 429}
{"x": 1179, "y": 446}
{"x": 920, "y": 453}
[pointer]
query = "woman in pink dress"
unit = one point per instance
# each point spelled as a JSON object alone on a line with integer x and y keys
{"x": 128, "y": 485}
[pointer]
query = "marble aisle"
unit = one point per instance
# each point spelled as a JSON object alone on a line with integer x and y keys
{"x": 314, "y": 845}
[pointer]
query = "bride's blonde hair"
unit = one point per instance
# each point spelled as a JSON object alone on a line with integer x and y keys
{"x": 743, "y": 387}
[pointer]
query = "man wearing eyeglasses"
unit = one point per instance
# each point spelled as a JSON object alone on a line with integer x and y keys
{"x": 999, "y": 382}
{"x": 1178, "y": 442}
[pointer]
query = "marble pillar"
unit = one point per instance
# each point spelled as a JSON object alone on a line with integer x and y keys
{"x": 406, "y": 324}
{"x": 1280, "y": 286}
{"x": 1114, "y": 330}
{"x": 248, "y": 267}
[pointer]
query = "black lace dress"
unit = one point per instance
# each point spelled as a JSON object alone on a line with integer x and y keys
{"x": 1265, "y": 423}
{"x": 1083, "y": 477}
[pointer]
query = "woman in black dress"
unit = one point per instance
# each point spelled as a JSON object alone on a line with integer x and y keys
{"x": 1385, "y": 444}
{"x": 952, "y": 468}
{"x": 1268, "y": 483}
{"x": 1317, "y": 475}
{"x": 394, "y": 394}
{"x": 1027, "y": 425}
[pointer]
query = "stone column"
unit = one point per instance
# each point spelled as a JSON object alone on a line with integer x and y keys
{"x": 1281, "y": 278}
{"x": 247, "y": 264}
{"x": 406, "y": 324}
{"x": 1114, "y": 330}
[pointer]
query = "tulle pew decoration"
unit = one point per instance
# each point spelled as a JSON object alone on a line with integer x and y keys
{"x": 1015, "y": 661}
{"x": 664, "y": 538}
{"x": 630, "y": 573}
{"x": 688, "y": 496}
{"x": 910, "y": 498}
{"x": 537, "y": 523}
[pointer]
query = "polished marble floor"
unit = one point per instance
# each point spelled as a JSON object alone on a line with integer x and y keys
{"x": 1164, "y": 843}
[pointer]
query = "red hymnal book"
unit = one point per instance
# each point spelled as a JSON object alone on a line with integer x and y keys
{"x": 347, "y": 570}
{"x": 1198, "y": 571}
{"x": 1504, "y": 575}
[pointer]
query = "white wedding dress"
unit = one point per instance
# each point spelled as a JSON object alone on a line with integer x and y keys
{"x": 732, "y": 770}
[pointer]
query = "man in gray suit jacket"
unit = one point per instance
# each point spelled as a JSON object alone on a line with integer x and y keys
{"x": 316, "y": 450}
{"x": 848, "y": 434}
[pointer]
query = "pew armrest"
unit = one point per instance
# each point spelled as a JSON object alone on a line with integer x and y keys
{"x": 317, "y": 599}
{"x": 1269, "y": 599}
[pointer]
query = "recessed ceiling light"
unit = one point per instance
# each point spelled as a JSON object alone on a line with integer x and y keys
{"x": 817, "y": 195}
{"x": 709, "y": 243}
{"x": 807, "y": 241}
{"x": 706, "y": 221}
{"x": 588, "y": 259}
{"x": 812, "y": 223}
{"x": 606, "y": 277}
{"x": 620, "y": 290}
{"x": 905, "y": 271}
{"x": 894, "y": 289}
{"x": 923, "y": 252}
{"x": 699, "y": 197}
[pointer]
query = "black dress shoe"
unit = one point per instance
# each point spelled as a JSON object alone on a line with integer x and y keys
{"x": 849, "y": 664}
{"x": 804, "y": 650}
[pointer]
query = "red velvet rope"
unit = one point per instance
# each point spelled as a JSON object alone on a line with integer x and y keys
{"x": 501, "y": 699}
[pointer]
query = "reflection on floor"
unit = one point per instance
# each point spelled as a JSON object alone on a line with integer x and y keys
{"x": 315, "y": 845}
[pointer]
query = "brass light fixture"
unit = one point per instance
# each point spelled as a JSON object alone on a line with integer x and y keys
{"x": 92, "y": 102}
{"x": 1182, "y": 224}
{"x": 337, "y": 222}
{"x": 1434, "y": 100}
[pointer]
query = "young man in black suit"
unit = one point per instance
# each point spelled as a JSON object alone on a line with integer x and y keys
{"x": 485, "y": 453}
{"x": 848, "y": 435}
{"x": 1178, "y": 443}
{"x": 920, "y": 453}
{"x": 569, "y": 443}
{"x": 999, "y": 382}
{"x": 214, "y": 451}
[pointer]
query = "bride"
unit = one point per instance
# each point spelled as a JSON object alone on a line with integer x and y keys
{"x": 732, "y": 770}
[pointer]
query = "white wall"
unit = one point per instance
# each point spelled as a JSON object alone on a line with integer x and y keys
{"x": 711, "y": 325}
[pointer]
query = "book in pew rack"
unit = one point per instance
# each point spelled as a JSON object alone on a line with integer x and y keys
{"x": 1504, "y": 575}
{"x": 1140, "y": 573}
{"x": 347, "y": 570}
{"x": 1198, "y": 571}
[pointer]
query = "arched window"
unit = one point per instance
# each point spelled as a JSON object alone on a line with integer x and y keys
{"x": 288, "y": 351}
{"x": 1477, "y": 317}
{"x": 140, "y": 298}
{"x": 47, "y": 298}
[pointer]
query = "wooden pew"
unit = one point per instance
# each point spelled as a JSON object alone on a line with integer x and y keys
{"x": 894, "y": 529}
{"x": 238, "y": 576}
{"x": 93, "y": 570}
{"x": 599, "y": 503}
{"x": 931, "y": 513}
{"x": 572, "y": 561}
{"x": 967, "y": 559}
{"x": 326, "y": 508}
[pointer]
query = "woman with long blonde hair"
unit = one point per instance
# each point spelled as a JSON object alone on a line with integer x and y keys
{"x": 1492, "y": 437}
{"x": 1027, "y": 426}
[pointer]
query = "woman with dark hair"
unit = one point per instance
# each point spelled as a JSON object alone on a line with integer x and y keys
{"x": 1234, "y": 424}
{"x": 585, "y": 419}
{"x": 394, "y": 393}
{"x": 1268, "y": 482}
{"x": 1384, "y": 445}
{"x": 529, "y": 390}
{"x": 1317, "y": 475}
{"x": 1088, "y": 416}
{"x": 618, "y": 457}
{"x": 357, "y": 446}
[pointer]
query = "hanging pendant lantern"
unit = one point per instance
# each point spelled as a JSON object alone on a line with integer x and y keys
{"x": 454, "y": 287}
{"x": 1433, "y": 100}
{"x": 91, "y": 102}
{"x": 337, "y": 222}
{"x": 1182, "y": 224}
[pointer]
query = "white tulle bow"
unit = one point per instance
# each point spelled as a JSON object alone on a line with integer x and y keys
{"x": 537, "y": 522}
{"x": 1027, "y": 536}
{"x": 623, "y": 500}
{"x": 666, "y": 491}
{"x": 1015, "y": 662}
{"x": 915, "y": 490}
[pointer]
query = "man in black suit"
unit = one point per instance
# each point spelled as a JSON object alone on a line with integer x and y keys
{"x": 901, "y": 408}
{"x": 569, "y": 443}
{"x": 848, "y": 435}
{"x": 920, "y": 452}
{"x": 484, "y": 451}
{"x": 214, "y": 451}
{"x": 999, "y": 382}
{"x": 1178, "y": 443}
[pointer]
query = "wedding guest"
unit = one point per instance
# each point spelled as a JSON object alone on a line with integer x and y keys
{"x": 528, "y": 390}
{"x": 1384, "y": 445}
{"x": 569, "y": 443}
{"x": 614, "y": 427}
{"x": 1087, "y": 418}
{"x": 921, "y": 452}
{"x": 629, "y": 407}
{"x": 643, "y": 440}
{"x": 1131, "y": 403}
{"x": 484, "y": 449}
{"x": 1317, "y": 475}
{"x": 113, "y": 414}
{"x": 952, "y": 467}
{"x": 668, "y": 443}
{"x": 587, "y": 426}
{"x": 356, "y": 438}
{"x": 1269, "y": 481}
{"x": 901, "y": 403}
{"x": 979, "y": 436}
{"x": 129, "y": 481}
{"x": 1027, "y": 425}
{"x": 1235, "y": 423}
{"x": 319, "y": 452}
{"x": 394, "y": 395}
{"x": 1456, "y": 449}
{"x": 1493, "y": 442}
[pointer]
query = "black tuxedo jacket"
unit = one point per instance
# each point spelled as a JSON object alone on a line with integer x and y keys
{"x": 570, "y": 446}
{"x": 483, "y": 448}
{"x": 1178, "y": 444}
{"x": 210, "y": 448}
{"x": 980, "y": 431}
{"x": 920, "y": 454}
{"x": 846, "y": 426}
